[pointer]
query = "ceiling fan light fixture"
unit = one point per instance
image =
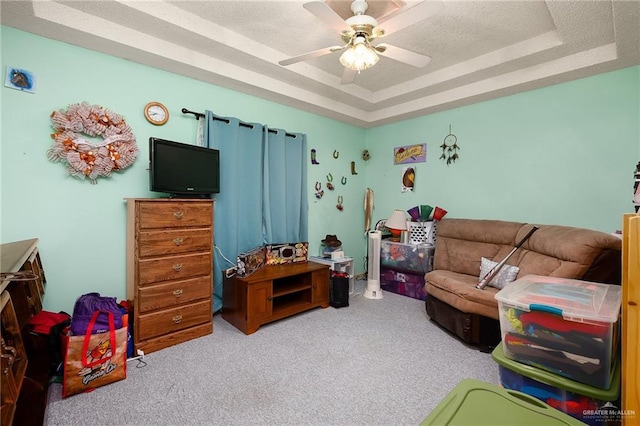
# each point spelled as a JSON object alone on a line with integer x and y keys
{"x": 359, "y": 57}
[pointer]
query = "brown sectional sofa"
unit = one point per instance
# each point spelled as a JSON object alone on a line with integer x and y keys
{"x": 471, "y": 314}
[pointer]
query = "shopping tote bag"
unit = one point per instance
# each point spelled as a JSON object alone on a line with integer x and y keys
{"x": 94, "y": 360}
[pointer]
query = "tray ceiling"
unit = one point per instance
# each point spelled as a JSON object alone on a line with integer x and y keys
{"x": 480, "y": 49}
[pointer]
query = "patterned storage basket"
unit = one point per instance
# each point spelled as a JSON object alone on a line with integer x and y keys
{"x": 422, "y": 232}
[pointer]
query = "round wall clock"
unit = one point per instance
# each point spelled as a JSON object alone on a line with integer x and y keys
{"x": 156, "y": 113}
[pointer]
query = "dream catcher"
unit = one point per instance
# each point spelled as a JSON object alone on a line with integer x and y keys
{"x": 450, "y": 148}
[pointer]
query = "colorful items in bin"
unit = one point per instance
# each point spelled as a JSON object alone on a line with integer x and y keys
{"x": 576, "y": 399}
{"x": 425, "y": 211}
{"x": 439, "y": 213}
{"x": 410, "y": 285}
{"x": 414, "y": 212}
{"x": 408, "y": 258}
{"x": 568, "y": 327}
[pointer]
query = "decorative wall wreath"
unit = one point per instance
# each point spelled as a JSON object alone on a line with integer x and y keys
{"x": 116, "y": 151}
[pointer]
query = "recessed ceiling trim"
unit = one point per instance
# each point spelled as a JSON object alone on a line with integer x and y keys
{"x": 480, "y": 50}
{"x": 60, "y": 14}
{"x": 188, "y": 21}
{"x": 516, "y": 51}
{"x": 574, "y": 62}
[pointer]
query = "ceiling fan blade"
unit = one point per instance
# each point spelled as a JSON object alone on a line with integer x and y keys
{"x": 309, "y": 55}
{"x": 348, "y": 76}
{"x": 330, "y": 18}
{"x": 411, "y": 15}
{"x": 403, "y": 55}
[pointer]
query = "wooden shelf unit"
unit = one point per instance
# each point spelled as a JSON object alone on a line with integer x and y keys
{"x": 26, "y": 362}
{"x": 169, "y": 270}
{"x": 274, "y": 292}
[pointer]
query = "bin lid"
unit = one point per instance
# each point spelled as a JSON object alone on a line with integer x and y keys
{"x": 557, "y": 381}
{"x": 575, "y": 300}
{"x": 473, "y": 402}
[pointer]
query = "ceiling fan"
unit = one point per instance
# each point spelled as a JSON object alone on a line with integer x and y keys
{"x": 359, "y": 31}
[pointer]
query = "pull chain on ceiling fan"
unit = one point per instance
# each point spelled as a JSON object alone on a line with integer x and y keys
{"x": 360, "y": 30}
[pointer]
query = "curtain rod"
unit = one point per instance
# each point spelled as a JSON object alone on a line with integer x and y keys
{"x": 199, "y": 114}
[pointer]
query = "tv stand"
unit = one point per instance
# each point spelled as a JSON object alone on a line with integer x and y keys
{"x": 274, "y": 292}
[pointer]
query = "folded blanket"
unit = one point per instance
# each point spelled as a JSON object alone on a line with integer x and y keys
{"x": 577, "y": 367}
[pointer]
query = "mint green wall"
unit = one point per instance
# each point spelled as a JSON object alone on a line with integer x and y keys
{"x": 81, "y": 227}
{"x": 563, "y": 155}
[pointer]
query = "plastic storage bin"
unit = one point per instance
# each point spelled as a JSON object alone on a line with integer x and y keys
{"x": 568, "y": 327}
{"x": 410, "y": 285}
{"x": 586, "y": 403}
{"x": 410, "y": 258}
{"x": 476, "y": 403}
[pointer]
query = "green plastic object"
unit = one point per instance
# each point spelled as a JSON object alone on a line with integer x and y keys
{"x": 475, "y": 403}
{"x": 551, "y": 379}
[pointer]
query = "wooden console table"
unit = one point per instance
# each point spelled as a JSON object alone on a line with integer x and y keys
{"x": 274, "y": 292}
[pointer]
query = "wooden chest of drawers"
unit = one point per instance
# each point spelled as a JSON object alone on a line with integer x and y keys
{"x": 169, "y": 270}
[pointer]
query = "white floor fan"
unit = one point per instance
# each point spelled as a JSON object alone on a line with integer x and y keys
{"x": 373, "y": 290}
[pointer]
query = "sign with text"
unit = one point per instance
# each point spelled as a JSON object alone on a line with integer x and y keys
{"x": 410, "y": 154}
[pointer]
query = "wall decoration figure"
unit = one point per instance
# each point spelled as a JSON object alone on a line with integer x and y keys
{"x": 313, "y": 157}
{"x": 330, "y": 186}
{"x": 85, "y": 158}
{"x": 353, "y": 168}
{"x": 450, "y": 148}
{"x": 408, "y": 179}
{"x": 410, "y": 154}
{"x": 319, "y": 191}
{"x": 20, "y": 79}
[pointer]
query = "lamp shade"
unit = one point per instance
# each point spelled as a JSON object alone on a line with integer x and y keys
{"x": 359, "y": 57}
{"x": 397, "y": 221}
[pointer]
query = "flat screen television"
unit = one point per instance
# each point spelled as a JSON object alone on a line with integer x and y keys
{"x": 183, "y": 170}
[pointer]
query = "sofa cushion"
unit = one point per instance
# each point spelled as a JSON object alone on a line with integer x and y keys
{"x": 462, "y": 243}
{"x": 568, "y": 252}
{"x": 459, "y": 290}
{"x": 505, "y": 275}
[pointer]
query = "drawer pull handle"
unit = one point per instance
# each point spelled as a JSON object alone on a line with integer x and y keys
{"x": 177, "y": 293}
{"x": 177, "y": 319}
{"x": 178, "y": 215}
{"x": 10, "y": 360}
{"x": 177, "y": 241}
{"x": 177, "y": 267}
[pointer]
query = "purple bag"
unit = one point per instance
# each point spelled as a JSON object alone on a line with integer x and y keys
{"x": 84, "y": 308}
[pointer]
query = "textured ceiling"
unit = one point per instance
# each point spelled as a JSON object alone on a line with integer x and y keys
{"x": 479, "y": 49}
